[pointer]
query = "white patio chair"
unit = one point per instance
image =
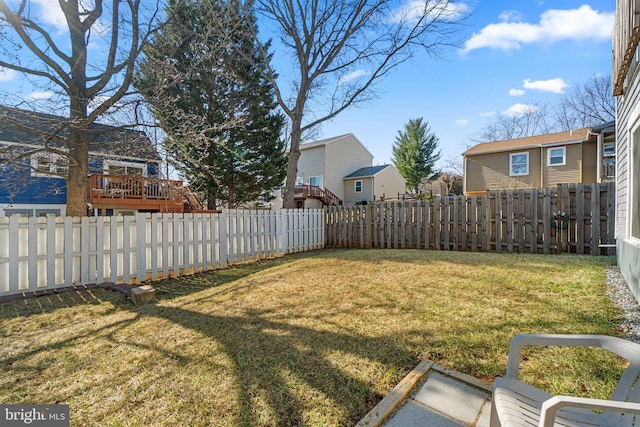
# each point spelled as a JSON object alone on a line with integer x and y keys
{"x": 515, "y": 403}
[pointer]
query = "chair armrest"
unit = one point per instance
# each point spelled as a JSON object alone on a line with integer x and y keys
{"x": 622, "y": 348}
{"x": 551, "y": 406}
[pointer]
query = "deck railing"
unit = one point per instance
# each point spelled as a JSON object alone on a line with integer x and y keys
{"x": 326, "y": 196}
{"x": 134, "y": 187}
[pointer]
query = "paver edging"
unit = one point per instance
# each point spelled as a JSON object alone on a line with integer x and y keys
{"x": 379, "y": 414}
{"x": 472, "y": 381}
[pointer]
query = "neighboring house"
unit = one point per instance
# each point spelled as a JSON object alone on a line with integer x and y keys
{"x": 123, "y": 167}
{"x": 373, "y": 183}
{"x": 582, "y": 155}
{"x": 323, "y": 169}
{"x": 626, "y": 87}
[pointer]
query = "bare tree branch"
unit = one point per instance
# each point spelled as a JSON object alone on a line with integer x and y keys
{"x": 342, "y": 48}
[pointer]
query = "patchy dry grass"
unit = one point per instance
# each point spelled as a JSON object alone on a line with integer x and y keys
{"x": 310, "y": 339}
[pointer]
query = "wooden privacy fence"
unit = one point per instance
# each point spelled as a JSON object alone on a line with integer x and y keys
{"x": 44, "y": 253}
{"x": 572, "y": 218}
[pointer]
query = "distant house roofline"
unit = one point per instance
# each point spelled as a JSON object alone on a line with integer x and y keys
{"x": 547, "y": 140}
{"x": 106, "y": 139}
{"x": 367, "y": 172}
{"x": 333, "y": 139}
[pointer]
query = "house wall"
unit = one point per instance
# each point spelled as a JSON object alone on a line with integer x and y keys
{"x": 312, "y": 163}
{"x": 491, "y": 172}
{"x": 350, "y": 195}
{"x": 18, "y": 187}
{"x": 343, "y": 157}
{"x": 388, "y": 183}
{"x": 627, "y": 114}
{"x": 570, "y": 172}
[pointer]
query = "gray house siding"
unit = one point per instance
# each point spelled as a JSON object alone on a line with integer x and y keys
{"x": 628, "y": 248}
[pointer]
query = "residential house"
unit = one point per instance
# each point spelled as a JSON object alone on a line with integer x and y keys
{"x": 626, "y": 88}
{"x": 123, "y": 166}
{"x": 330, "y": 169}
{"x": 372, "y": 183}
{"x": 581, "y": 155}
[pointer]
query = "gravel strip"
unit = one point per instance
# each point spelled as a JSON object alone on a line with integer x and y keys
{"x": 619, "y": 293}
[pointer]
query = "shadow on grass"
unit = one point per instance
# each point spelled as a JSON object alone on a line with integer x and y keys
{"x": 275, "y": 360}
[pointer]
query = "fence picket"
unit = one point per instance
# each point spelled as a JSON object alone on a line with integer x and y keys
{"x": 527, "y": 220}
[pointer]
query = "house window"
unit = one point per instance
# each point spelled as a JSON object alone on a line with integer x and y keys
{"x": 358, "y": 186}
{"x": 47, "y": 164}
{"x": 299, "y": 180}
{"x": 557, "y": 156}
{"x": 518, "y": 164}
{"x": 315, "y": 181}
{"x": 47, "y": 212}
{"x": 117, "y": 167}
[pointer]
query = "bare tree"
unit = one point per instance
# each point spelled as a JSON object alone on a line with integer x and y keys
{"x": 589, "y": 104}
{"x": 341, "y": 49}
{"x": 84, "y": 81}
{"x": 530, "y": 120}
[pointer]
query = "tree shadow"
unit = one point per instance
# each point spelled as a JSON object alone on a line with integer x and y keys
{"x": 270, "y": 357}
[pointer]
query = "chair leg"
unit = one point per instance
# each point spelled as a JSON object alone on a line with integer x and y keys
{"x": 494, "y": 421}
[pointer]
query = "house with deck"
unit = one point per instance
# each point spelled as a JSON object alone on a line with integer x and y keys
{"x": 124, "y": 169}
{"x": 340, "y": 171}
{"x": 584, "y": 155}
{"x": 626, "y": 88}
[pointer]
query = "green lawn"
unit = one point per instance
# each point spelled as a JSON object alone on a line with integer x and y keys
{"x": 309, "y": 339}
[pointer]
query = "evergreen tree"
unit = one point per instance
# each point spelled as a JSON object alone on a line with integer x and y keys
{"x": 203, "y": 76}
{"x": 414, "y": 153}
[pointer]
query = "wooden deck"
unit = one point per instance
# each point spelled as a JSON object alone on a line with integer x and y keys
{"x": 139, "y": 193}
{"x": 313, "y": 191}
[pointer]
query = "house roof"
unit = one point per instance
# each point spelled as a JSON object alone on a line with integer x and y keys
{"x": 327, "y": 141}
{"x": 573, "y": 136}
{"x": 33, "y": 128}
{"x": 367, "y": 171}
{"x": 605, "y": 127}
{"x": 323, "y": 142}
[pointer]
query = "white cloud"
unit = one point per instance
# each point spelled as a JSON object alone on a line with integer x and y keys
{"x": 415, "y": 9}
{"x": 510, "y": 15}
{"x": 516, "y": 92}
{"x": 556, "y": 85}
{"x": 519, "y": 109}
{"x": 36, "y": 96}
{"x": 583, "y": 23}
{"x": 7, "y": 74}
{"x": 488, "y": 114}
{"x": 353, "y": 75}
{"x": 462, "y": 122}
{"x": 51, "y": 13}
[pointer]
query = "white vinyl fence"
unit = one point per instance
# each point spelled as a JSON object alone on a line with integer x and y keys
{"x": 39, "y": 253}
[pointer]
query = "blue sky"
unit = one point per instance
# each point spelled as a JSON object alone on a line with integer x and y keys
{"x": 517, "y": 53}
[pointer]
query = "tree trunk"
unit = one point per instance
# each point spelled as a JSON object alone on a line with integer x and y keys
{"x": 211, "y": 200}
{"x": 78, "y": 144}
{"x": 292, "y": 167}
{"x": 78, "y": 180}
